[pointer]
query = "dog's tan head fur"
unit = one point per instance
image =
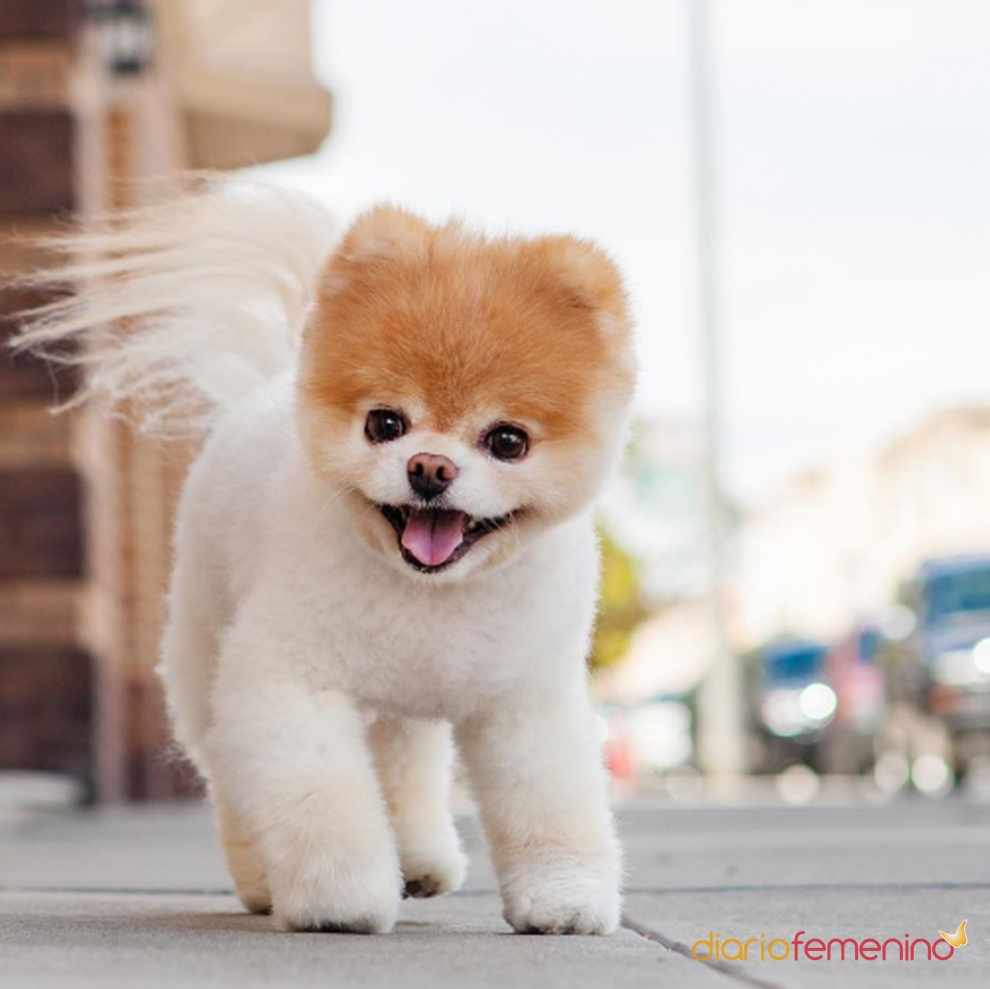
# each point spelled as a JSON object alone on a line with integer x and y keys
{"x": 452, "y": 336}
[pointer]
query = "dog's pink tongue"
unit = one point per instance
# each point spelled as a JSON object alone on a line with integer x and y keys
{"x": 432, "y": 535}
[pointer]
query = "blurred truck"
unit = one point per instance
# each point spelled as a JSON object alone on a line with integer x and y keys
{"x": 951, "y": 600}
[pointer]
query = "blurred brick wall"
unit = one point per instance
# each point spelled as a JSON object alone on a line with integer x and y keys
{"x": 46, "y": 697}
{"x": 86, "y": 505}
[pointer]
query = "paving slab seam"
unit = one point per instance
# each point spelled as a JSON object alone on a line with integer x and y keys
{"x": 112, "y": 891}
{"x": 680, "y": 948}
{"x": 174, "y": 891}
{"x": 808, "y": 887}
{"x": 628, "y": 890}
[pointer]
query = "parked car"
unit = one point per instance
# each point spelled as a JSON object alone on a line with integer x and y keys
{"x": 792, "y": 703}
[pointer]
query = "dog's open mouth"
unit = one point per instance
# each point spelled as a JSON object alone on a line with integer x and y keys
{"x": 431, "y": 539}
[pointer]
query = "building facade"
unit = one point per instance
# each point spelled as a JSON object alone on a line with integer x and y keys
{"x": 101, "y": 104}
{"x": 836, "y": 544}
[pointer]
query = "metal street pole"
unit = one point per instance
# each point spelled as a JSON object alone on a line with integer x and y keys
{"x": 720, "y": 709}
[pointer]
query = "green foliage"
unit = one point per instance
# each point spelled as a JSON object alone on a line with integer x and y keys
{"x": 620, "y": 609}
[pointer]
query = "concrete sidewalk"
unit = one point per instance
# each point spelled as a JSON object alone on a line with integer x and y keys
{"x": 140, "y": 898}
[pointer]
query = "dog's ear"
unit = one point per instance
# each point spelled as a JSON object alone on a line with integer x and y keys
{"x": 583, "y": 273}
{"x": 384, "y": 232}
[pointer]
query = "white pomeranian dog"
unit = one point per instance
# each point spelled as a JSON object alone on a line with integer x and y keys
{"x": 385, "y": 548}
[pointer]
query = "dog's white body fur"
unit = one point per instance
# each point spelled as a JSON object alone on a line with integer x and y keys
{"x": 319, "y": 688}
{"x": 287, "y": 638}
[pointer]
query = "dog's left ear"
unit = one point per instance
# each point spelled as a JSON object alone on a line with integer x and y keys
{"x": 384, "y": 232}
{"x": 584, "y": 274}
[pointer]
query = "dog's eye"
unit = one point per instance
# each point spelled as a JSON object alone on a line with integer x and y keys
{"x": 507, "y": 442}
{"x": 384, "y": 425}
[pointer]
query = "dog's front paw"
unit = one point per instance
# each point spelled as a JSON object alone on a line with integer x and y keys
{"x": 337, "y": 896}
{"x": 561, "y": 900}
{"x": 432, "y": 870}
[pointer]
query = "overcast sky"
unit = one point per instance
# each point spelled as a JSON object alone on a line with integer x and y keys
{"x": 854, "y": 185}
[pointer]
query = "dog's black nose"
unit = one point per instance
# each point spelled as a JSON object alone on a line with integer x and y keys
{"x": 430, "y": 474}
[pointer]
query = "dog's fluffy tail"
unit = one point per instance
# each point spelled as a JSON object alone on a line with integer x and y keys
{"x": 178, "y": 309}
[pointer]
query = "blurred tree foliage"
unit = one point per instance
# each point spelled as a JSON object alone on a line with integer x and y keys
{"x": 620, "y": 608}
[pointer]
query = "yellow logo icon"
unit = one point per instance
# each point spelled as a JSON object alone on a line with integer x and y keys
{"x": 958, "y": 939}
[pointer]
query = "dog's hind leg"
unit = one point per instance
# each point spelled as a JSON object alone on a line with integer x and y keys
{"x": 414, "y": 761}
{"x": 190, "y": 644}
{"x": 243, "y": 861}
{"x": 187, "y": 669}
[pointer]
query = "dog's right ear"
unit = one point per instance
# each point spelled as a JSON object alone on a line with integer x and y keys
{"x": 384, "y": 232}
